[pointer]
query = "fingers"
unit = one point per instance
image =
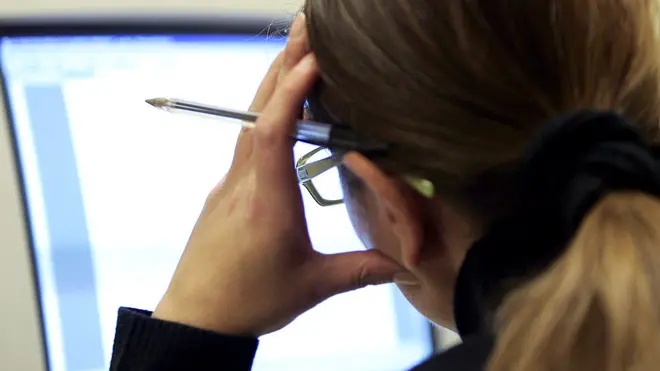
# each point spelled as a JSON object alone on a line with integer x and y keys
{"x": 351, "y": 271}
{"x": 297, "y": 47}
{"x": 268, "y": 84}
{"x": 277, "y": 123}
{"x": 244, "y": 143}
{"x": 295, "y": 59}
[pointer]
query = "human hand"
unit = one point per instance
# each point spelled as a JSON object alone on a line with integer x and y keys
{"x": 249, "y": 267}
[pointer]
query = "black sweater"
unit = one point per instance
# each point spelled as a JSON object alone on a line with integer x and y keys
{"x": 147, "y": 344}
{"x": 143, "y": 343}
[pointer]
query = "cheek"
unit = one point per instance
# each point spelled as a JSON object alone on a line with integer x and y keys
{"x": 358, "y": 215}
{"x": 370, "y": 227}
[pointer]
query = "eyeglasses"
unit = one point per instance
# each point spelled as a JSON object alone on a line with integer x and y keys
{"x": 317, "y": 172}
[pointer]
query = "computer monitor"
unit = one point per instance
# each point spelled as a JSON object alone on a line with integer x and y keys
{"x": 110, "y": 188}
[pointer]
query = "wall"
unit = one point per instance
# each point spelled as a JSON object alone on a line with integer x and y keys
{"x": 14, "y": 7}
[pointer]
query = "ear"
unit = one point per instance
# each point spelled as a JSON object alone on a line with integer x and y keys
{"x": 400, "y": 206}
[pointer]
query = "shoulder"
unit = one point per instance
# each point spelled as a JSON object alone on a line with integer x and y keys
{"x": 471, "y": 355}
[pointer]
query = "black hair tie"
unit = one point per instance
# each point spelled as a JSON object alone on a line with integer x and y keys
{"x": 573, "y": 162}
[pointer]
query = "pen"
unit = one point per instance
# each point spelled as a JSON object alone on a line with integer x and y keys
{"x": 307, "y": 131}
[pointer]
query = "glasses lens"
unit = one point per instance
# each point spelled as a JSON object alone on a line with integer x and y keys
{"x": 327, "y": 184}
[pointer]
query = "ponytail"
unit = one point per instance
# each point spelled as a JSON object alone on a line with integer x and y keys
{"x": 571, "y": 281}
{"x": 596, "y": 308}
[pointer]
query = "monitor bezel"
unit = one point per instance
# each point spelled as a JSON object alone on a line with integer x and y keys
{"x": 88, "y": 25}
{"x": 142, "y": 25}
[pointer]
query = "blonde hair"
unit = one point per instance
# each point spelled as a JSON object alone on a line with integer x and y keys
{"x": 597, "y": 307}
{"x": 460, "y": 88}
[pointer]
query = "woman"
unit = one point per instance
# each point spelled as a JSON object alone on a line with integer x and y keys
{"x": 517, "y": 199}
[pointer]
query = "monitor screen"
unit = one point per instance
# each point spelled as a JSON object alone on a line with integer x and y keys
{"x": 113, "y": 188}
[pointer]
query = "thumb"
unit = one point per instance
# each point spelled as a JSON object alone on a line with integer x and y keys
{"x": 354, "y": 270}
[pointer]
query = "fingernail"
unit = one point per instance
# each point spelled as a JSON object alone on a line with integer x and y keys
{"x": 310, "y": 59}
{"x": 298, "y": 26}
{"x": 383, "y": 275}
{"x": 405, "y": 279}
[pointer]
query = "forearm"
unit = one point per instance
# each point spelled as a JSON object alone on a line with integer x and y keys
{"x": 145, "y": 343}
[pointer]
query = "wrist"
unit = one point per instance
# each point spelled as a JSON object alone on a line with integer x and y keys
{"x": 201, "y": 316}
